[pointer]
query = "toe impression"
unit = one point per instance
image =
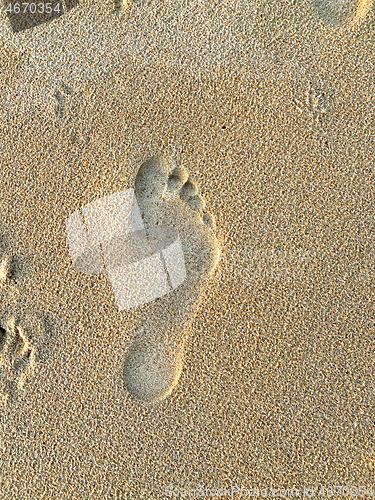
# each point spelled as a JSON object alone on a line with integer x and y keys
{"x": 177, "y": 179}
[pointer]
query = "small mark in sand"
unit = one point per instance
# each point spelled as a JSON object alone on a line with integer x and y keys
{"x": 317, "y": 107}
{"x": 69, "y": 111}
{"x": 314, "y": 105}
{"x": 58, "y": 93}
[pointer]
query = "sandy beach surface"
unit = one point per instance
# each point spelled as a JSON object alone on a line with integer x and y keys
{"x": 271, "y": 110}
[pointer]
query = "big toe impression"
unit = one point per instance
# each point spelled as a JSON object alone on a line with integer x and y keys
{"x": 152, "y": 178}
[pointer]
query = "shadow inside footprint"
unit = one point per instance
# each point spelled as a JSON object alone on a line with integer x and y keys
{"x": 21, "y": 363}
{"x": 17, "y": 345}
{"x": 20, "y": 266}
{"x": 3, "y": 338}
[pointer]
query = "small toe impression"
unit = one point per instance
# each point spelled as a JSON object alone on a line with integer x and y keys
{"x": 177, "y": 179}
{"x": 196, "y": 203}
{"x": 188, "y": 190}
{"x": 208, "y": 220}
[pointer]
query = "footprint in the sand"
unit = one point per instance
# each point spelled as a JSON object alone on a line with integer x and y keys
{"x": 17, "y": 359}
{"x": 24, "y": 334}
{"x": 340, "y": 13}
{"x": 314, "y": 106}
{"x": 168, "y": 197}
